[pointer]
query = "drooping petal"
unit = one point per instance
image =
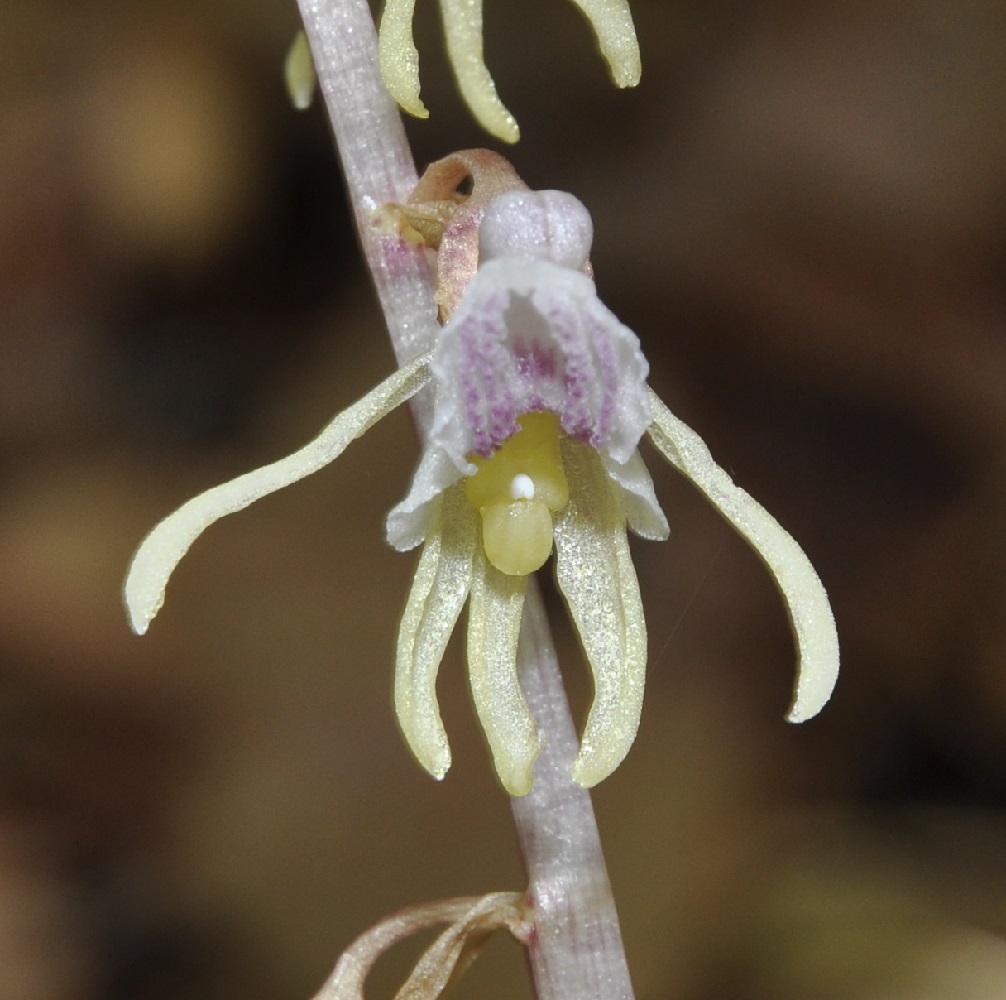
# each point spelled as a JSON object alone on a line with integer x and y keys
{"x": 802, "y": 590}
{"x": 439, "y": 591}
{"x": 595, "y": 574}
{"x": 495, "y": 609}
{"x": 163, "y": 548}
{"x": 639, "y": 501}
{"x": 463, "y": 31}
{"x": 399, "y": 57}
{"x": 616, "y": 34}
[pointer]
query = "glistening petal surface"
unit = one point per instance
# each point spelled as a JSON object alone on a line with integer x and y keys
{"x": 616, "y": 34}
{"x": 439, "y": 591}
{"x": 804, "y": 594}
{"x": 463, "y": 32}
{"x": 399, "y": 57}
{"x": 531, "y": 335}
{"x": 495, "y": 609}
{"x": 164, "y": 547}
{"x": 639, "y": 501}
{"x": 597, "y": 578}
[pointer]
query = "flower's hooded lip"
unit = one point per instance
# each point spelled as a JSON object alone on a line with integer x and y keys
{"x": 161, "y": 551}
{"x": 530, "y": 335}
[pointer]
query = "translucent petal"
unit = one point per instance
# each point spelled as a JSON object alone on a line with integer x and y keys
{"x": 163, "y": 548}
{"x": 399, "y": 57}
{"x": 409, "y": 521}
{"x": 639, "y": 501}
{"x": 596, "y": 575}
{"x": 616, "y": 34}
{"x": 495, "y": 609}
{"x": 463, "y": 31}
{"x": 802, "y": 590}
{"x": 439, "y": 591}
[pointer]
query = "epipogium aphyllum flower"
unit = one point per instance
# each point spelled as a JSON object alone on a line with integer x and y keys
{"x": 540, "y": 403}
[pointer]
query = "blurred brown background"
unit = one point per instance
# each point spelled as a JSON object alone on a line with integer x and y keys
{"x": 802, "y": 211}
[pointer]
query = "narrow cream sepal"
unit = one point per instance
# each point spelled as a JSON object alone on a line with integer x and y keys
{"x": 463, "y": 32}
{"x": 801, "y": 588}
{"x": 616, "y": 35}
{"x": 399, "y": 57}
{"x": 439, "y": 591}
{"x": 161, "y": 551}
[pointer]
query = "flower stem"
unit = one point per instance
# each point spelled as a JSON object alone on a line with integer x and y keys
{"x": 376, "y": 161}
{"x": 575, "y": 948}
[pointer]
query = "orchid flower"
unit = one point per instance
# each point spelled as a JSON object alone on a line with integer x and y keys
{"x": 540, "y": 404}
{"x": 611, "y": 20}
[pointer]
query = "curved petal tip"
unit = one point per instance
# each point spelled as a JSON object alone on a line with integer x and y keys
{"x": 819, "y": 657}
{"x": 802, "y": 591}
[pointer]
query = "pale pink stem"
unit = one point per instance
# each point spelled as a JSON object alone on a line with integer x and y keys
{"x": 376, "y": 161}
{"x": 576, "y": 948}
